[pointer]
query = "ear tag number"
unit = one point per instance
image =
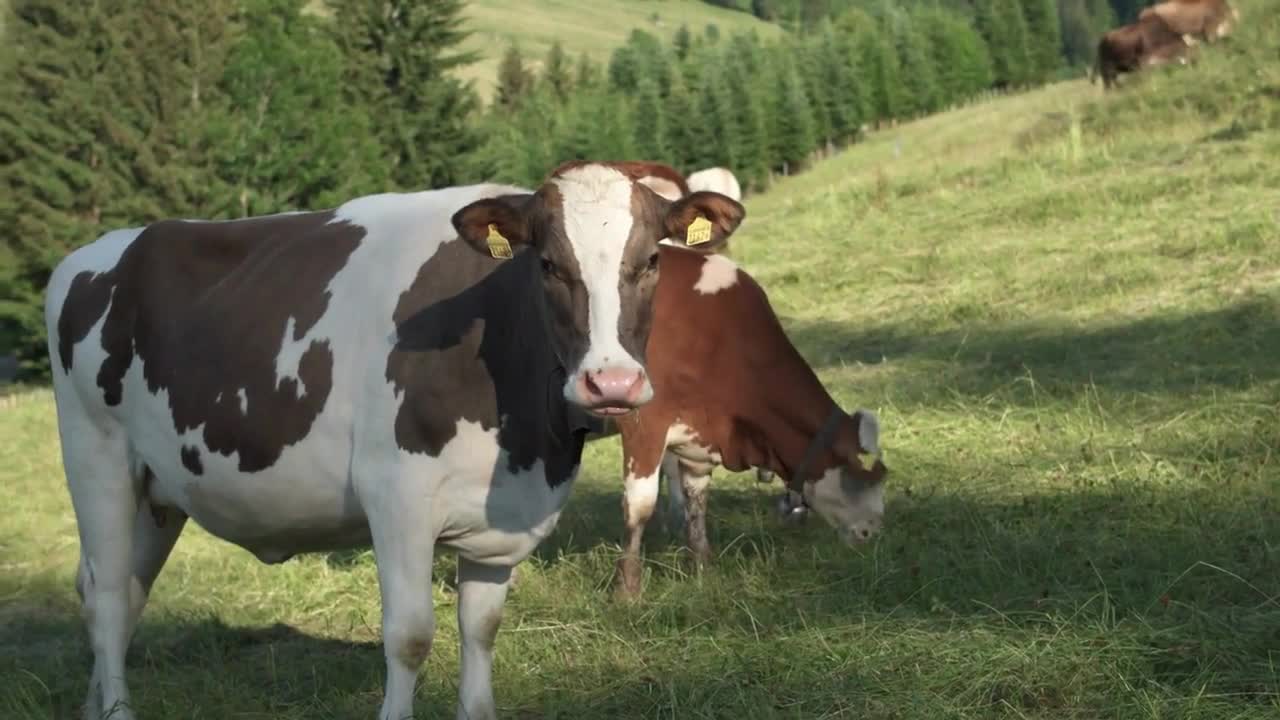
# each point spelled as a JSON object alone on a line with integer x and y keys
{"x": 699, "y": 231}
{"x": 498, "y": 245}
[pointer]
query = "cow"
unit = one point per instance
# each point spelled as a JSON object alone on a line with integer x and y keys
{"x": 717, "y": 179}
{"x": 404, "y": 371}
{"x": 663, "y": 179}
{"x": 1206, "y": 20}
{"x": 732, "y": 390}
{"x": 1147, "y": 42}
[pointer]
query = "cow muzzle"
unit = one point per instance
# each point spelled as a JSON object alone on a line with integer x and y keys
{"x": 609, "y": 392}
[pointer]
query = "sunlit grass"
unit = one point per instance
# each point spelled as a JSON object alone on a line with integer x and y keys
{"x": 1066, "y": 311}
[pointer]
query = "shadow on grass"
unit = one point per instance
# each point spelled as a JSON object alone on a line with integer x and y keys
{"x": 1231, "y": 348}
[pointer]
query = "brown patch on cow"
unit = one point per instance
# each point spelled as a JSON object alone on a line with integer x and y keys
{"x": 86, "y": 301}
{"x": 205, "y": 307}
{"x": 473, "y": 337}
{"x": 191, "y": 460}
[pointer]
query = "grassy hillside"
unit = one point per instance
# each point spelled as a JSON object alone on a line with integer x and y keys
{"x": 1066, "y": 309}
{"x": 595, "y": 27}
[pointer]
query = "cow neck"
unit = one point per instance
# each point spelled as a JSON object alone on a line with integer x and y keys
{"x": 534, "y": 368}
{"x": 806, "y": 432}
{"x": 801, "y": 429}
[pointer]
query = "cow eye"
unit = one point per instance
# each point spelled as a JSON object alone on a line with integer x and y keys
{"x": 653, "y": 261}
{"x": 548, "y": 267}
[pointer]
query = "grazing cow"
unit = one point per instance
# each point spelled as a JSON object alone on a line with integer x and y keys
{"x": 1207, "y": 20}
{"x": 731, "y": 390}
{"x": 716, "y": 179}
{"x": 1145, "y": 43}
{"x": 405, "y": 370}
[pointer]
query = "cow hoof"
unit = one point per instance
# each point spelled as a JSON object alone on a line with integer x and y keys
{"x": 701, "y": 558}
{"x": 627, "y": 584}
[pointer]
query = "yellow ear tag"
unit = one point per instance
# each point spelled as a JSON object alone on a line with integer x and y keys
{"x": 699, "y": 231}
{"x": 498, "y": 245}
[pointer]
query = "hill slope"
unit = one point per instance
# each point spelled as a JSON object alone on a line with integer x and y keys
{"x": 1065, "y": 308}
{"x": 595, "y": 27}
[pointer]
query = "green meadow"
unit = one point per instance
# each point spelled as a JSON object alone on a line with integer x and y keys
{"x": 1065, "y": 307}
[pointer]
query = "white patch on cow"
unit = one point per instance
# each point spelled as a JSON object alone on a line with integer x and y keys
{"x": 244, "y": 401}
{"x": 597, "y": 221}
{"x": 494, "y": 516}
{"x": 715, "y": 179}
{"x": 641, "y": 494}
{"x": 290, "y": 356}
{"x": 662, "y": 186}
{"x": 718, "y": 273}
{"x": 683, "y": 441}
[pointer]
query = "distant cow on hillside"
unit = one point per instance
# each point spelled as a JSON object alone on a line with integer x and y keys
{"x": 1146, "y": 43}
{"x": 1206, "y": 20}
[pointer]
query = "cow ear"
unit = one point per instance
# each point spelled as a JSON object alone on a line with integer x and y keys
{"x": 495, "y": 226}
{"x": 704, "y": 220}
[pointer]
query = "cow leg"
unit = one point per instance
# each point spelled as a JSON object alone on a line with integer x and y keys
{"x": 639, "y": 498}
{"x": 155, "y": 531}
{"x": 104, "y": 495}
{"x": 482, "y": 591}
{"x": 695, "y": 479}
{"x": 403, "y": 546}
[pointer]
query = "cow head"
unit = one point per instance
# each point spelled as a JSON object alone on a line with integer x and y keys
{"x": 594, "y": 228}
{"x": 849, "y": 496}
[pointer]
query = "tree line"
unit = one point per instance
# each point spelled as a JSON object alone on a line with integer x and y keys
{"x": 119, "y": 112}
{"x": 1079, "y": 21}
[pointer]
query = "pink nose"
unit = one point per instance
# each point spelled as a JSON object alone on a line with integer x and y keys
{"x": 618, "y": 388}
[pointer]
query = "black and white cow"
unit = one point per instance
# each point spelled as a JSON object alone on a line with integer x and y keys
{"x": 378, "y": 373}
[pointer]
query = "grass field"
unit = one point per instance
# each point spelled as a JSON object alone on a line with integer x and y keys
{"x": 595, "y": 27}
{"x": 1066, "y": 310}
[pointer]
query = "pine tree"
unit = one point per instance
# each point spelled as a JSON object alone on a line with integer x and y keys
{"x": 822, "y": 105}
{"x": 1044, "y": 37}
{"x": 879, "y": 65}
{"x": 713, "y": 124}
{"x": 682, "y": 41}
{"x": 843, "y": 81}
{"x": 398, "y": 54}
{"x": 101, "y": 126}
{"x": 284, "y": 140}
{"x": 959, "y": 54}
{"x": 624, "y": 69}
{"x": 650, "y": 122}
{"x": 750, "y": 148}
{"x": 586, "y": 75}
{"x": 919, "y": 76}
{"x": 514, "y": 80}
{"x": 681, "y": 137}
{"x": 556, "y": 73}
{"x": 1005, "y": 30}
{"x": 792, "y": 132}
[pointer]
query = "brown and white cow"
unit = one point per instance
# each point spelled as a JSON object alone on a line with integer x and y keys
{"x": 730, "y": 389}
{"x": 1207, "y": 20}
{"x": 380, "y": 373}
{"x": 1148, "y": 42}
